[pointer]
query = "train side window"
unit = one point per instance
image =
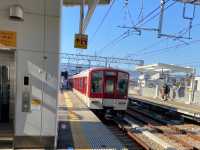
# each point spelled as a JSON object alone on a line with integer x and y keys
{"x": 96, "y": 82}
{"x": 122, "y": 83}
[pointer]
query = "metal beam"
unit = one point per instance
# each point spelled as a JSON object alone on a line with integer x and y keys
{"x": 162, "y": 7}
{"x": 91, "y": 8}
{"x": 87, "y": 2}
{"x": 81, "y": 16}
{"x": 92, "y": 58}
{"x": 84, "y": 21}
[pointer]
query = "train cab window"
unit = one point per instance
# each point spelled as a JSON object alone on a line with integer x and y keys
{"x": 122, "y": 83}
{"x": 96, "y": 82}
{"x": 109, "y": 86}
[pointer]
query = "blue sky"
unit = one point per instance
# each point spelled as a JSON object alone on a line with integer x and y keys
{"x": 134, "y": 46}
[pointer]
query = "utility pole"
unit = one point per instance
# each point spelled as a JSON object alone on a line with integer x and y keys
{"x": 162, "y": 7}
{"x": 81, "y": 16}
{"x": 193, "y": 85}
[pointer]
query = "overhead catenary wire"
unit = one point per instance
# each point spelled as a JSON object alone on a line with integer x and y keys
{"x": 141, "y": 10}
{"x": 120, "y": 37}
{"x": 150, "y": 13}
{"x": 181, "y": 33}
{"x": 113, "y": 41}
{"x": 103, "y": 20}
{"x": 130, "y": 16}
{"x": 157, "y": 14}
{"x": 161, "y": 50}
{"x": 128, "y": 12}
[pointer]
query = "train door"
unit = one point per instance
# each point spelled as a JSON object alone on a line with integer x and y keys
{"x": 109, "y": 84}
{"x": 7, "y": 75}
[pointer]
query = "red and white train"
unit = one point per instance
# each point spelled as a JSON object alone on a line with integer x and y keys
{"x": 102, "y": 88}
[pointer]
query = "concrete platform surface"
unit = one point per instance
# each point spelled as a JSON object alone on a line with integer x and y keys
{"x": 79, "y": 128}
{"x": 187, "y": 109}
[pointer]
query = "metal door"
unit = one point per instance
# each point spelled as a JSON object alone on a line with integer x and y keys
{"x": 7, "y": 86}
{"x": 4, "y": 93}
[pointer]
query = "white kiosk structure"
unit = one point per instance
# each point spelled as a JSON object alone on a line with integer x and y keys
{"x": 155, "y": 75}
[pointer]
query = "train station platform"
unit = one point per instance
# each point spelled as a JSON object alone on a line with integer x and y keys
{"x": 79, "y": 128}
{"x": 190, "y": 110}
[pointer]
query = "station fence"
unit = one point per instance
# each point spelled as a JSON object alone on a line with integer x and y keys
{"x": 180, "y": 94}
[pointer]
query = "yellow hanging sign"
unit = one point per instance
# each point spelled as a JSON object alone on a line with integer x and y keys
{"x": 81, "y": 41}
{"x": 8, "y": 39}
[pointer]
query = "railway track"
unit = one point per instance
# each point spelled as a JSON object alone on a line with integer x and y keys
{"x": 180, "y": 136}
{"x": 128, "y": 141}
{"x": 142, "y": 129}
{"x": 121, "y": 130}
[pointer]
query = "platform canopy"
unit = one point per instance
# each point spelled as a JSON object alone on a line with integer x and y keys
{"x": 196, "y": 2}
{"x": 78, "y": 2}
{"x": 160, "y": 67}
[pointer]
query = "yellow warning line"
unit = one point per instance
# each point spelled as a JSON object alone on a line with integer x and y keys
{"x": 80, "y": 141}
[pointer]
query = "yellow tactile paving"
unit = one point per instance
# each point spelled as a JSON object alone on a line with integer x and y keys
{"x": 74, "y": 119}
{"x": 68, "y": 101}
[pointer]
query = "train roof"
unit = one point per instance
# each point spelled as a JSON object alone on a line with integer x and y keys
{"x": 85, "y": 72}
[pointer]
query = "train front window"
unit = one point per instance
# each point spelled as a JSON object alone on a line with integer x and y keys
{"x": 122, "y": 84}
{"x": 109, "y": 86}
{"x": 97, "y": 78}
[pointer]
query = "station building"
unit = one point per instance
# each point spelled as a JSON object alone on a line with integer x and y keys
{"x": 29, "y": 47}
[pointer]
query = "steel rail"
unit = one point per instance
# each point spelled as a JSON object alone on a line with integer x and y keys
{"x": 154, "y": 125}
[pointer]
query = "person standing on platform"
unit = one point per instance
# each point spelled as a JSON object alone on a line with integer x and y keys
{"x": 174, "y": 88}
{"x": 166, "y": 92}
{"x": 162, "y": 92}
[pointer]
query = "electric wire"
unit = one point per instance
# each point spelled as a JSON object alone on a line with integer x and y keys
{"x": 182, "y": 32}
{"x": 156, "y": 43}
{"x": 103, "y": 20}
{"x": 169, "y": 47}
{"x": 150, "y": 13}
{"x": 113, "y": 41}
{"x": 141, "y": 10}
{"x": 130, "y": 16}
{"x": 157, "y": 14}
{"x": 119, "y": 38}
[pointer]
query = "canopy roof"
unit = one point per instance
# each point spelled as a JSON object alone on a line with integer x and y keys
{"x": 160, "y": 67}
